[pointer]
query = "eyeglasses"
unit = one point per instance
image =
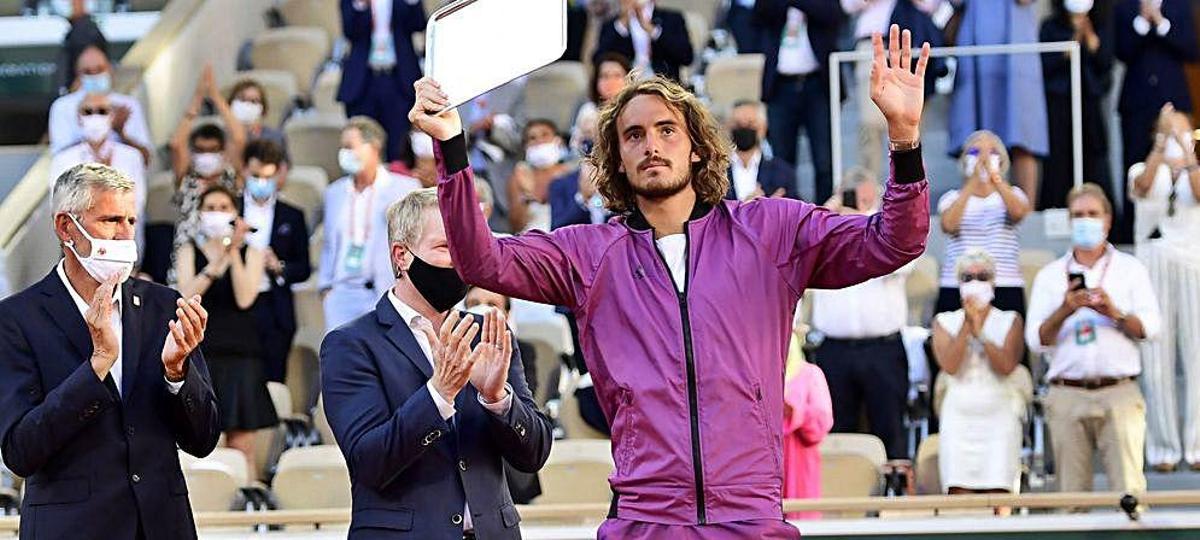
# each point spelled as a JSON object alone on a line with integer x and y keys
{"x": 978, "y": 276}
{"x": 94, "y": 111}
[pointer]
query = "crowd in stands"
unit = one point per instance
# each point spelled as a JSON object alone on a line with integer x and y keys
{"x": 1106, "y": 327}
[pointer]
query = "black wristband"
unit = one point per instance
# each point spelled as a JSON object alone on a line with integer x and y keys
{"x": 454, "y": 154}
{"x": 907, "y": 166}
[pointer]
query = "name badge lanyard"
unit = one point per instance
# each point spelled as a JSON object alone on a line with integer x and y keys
{"x": 1085, "y": 329}
{"x": 356, "y": 254}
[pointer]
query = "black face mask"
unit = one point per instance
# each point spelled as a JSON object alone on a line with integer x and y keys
{"x": 441, "y": 287}
{"x": 744, "y": 138}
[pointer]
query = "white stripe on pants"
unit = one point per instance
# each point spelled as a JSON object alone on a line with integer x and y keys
{"x": 1176, "y": 276}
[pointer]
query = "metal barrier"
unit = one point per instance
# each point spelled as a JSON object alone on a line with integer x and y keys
{"x": 1069, "y": 47}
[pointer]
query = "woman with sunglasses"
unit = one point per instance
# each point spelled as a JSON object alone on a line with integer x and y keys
{"x": 982, "y": 391}
{"x": 1164, "y": 188}
{"x": 984, "y": 214}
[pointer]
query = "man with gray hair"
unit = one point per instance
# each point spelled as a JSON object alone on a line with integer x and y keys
{"x": 432, "y": 465}
{"x": 102, "y": 379}
{"x": 862, "y": 354}
{"x": 751, "y": 172}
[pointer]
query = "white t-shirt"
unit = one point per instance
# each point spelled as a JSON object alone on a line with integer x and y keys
{"x": 984, "y": 225}
{"x": 1153, "y": 209}
{"x": 674, "y": 251}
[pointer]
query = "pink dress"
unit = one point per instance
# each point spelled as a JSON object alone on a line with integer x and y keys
{"x": 808, "y": 418}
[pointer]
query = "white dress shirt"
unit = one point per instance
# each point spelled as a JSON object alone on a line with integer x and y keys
{"x": 874, "y": 308}
{"x": 873, "y": 16}
{"x": 117, "y": 369}
{"x": 796, "y": 56}
{"x": 745, "y": 177}
{"x": 64, "y": 120}
{"x": 1089, "y": 345}
{"x": 260, "y": 216}
{"x": 641, "y": 39}
{"x": 121, "y": 157}
{"x": 447, "y": 410}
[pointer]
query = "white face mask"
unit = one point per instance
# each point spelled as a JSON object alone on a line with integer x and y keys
{"x": 1078, "y": 7}
{"x": 109, "y": 258}
{"x": 1173, "y": 151}
{"x": 246, "y": 112}
{"x": 544, "y": 155}
{"x": 422, "y": 145}
{"x": 349, "y": 161}
{"x": 979, "y": 290}
{"x": 96, "y": 127}
{"x": 216, "y": 224}
{"x": 208, "y": 163}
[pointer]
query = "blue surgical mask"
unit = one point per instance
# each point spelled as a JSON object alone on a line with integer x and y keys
{"x": 1087, "y": 232}
{"x": 100, "y": 83}
{"x": 349, "y": 161}
{"x": 260, "y": 188}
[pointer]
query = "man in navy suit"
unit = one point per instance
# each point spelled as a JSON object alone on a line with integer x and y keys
{"x": 656, "y": 39}
{"x": 425, "y": 448}
{"x": 1154, "y": 39}
{"x": 98, "y": 383}
{"x": 795, "y": 83}
{"x": 751, "y": 173}
{"x": 379, "y": 72}
{"x": 279, "y": 229}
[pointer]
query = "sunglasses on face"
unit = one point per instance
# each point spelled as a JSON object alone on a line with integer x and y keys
{"x": 93, "y": 111}
{"x": 978, "y": 276}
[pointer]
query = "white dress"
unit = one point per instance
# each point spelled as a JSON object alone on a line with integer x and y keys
{"x": 981, "y": 416}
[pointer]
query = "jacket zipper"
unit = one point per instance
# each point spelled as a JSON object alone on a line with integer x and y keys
{"x": 690, "y": 362}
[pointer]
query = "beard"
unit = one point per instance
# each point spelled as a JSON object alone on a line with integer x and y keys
{"x": 661, "y": 187}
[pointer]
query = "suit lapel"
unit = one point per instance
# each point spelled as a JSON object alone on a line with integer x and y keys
{"x": 62, "y": 310}
{"x": 401, "y": 336}
{"x": 131, "y": 335}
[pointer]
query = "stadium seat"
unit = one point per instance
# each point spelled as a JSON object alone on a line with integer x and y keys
{"x": 568, "y": 415}
{"x": 321, "y": 423}
{"x": 322, "y": 14}
{"x": 314, "y": 139}
{"x": 577, "y": 472}
{"x": 863, "y": 444}
{"x": 1032, "y": 261}
{"x": 928, "y": 477}
{"x": 299, "y": 50}
{"x": 214, "y": 481}
{"x": 726, "y": 80}
{"x": 160, "y": 206}
{"x": 708, "y": 9}
{"x": 310, "y": 318}
{"x": 312, "y": 477}
{"x": 921, "y": 288}
{"x": 147, "y": 5}
{"x": 549, "y": 338}
{"x": 305, "y": 189}
{"x": 324, "y": 94}
{"x": 303, "y": 378}
{"x": 280, "y": 87}
{"x": 555, "y": 92}
{"x": 848, "y": 474}
{"x": 699, "y": 27}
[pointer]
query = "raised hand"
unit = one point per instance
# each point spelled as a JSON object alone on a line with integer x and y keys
{"x": 424, "y": 113}
{"x": 895, "y": 88}
{"x": 491, "y": 358}
{"x": 186, "y": 333}
{"x": 452, "y": 359}
{"x": 106, "y": 344}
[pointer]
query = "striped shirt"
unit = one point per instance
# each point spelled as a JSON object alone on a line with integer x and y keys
{"x": 984, "y": 225}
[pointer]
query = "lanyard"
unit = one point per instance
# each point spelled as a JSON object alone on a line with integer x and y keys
{"x": 369, "y": 193}
{"x": 1108, "y": 257}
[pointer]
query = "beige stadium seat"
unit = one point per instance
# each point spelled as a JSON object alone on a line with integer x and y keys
{"x": 214, "y": 481}
{"x": 303, "y": 376}
{"x": 323, "y": 14}
{"x": 848, "y": 475}
{"x": 704, "y": 8}
{"x": 321, "y": 423}
{"x": 555, "y": 92}
{"x": 928, "y": 476}
{"x": 310, "y": 318}
{"x": 314, "y": 139}
{"x": 324, "y": 94}
{"x": 549, "y": 339}
{"x": 160, "y": 207}
{"x": 863, "y": 444}
{"x": 734, "y": 78}
{"x": 305, "y": 189}
{"x": 577, "y": 472}
{"x": 312, "y": 477}
{"x": 281, "y": 397}
{"x": 568, "y": 416}
{"x": 147, "y": 5}
{"x": 921, "y": 288}
{"x": 1032, "y": 261}
{"x": 699, "y": 27}
{"x": 299, "y": 50}
{"x": 432, "y": 5}
{"x": 279, "y": 85}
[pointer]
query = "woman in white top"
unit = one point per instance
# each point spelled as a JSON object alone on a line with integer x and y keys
{"x": 1166, "y": 225}
{"x": 984, "y": 214}
{"x": 982, "y": 391}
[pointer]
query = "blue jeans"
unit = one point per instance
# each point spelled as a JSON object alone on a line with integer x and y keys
{"x": 802, "y": 102}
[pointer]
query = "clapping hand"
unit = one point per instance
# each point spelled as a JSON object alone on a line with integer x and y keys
{"x": 106, "y": 344}
{"x": 452, "y": 354}
{"x": 896, "y": 89}
{"x": 186, "y": 333}
{"x": 491, "y": 358}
